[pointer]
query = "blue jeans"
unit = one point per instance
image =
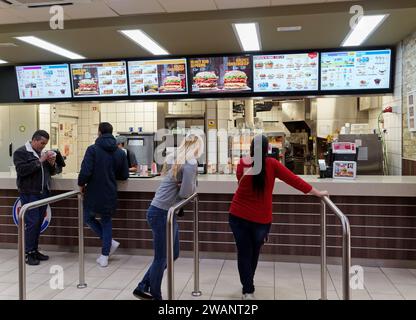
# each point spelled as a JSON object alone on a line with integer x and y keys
{"x": 33, "y": 221}
{"x": 102, "y": 229}
{"x": 152, "y": 280}
{"x": 249, "y": 238}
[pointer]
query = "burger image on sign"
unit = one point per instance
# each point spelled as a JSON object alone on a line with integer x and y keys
{"x": 235, "y": 80}
{"x": 206, "y": 80}
{"x": 172, "y": 83}
{"x": 87, "y": 86}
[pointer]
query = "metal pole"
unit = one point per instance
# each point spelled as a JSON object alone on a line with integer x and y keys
{"x": 346, "y": 248}
{"x": 196, "y": 292}
{"x": 324, "y": 286}
{"x": 346, "y": 259}
{"x": 81, "y": 262}
{"x": 169, "y": 235}
{"x": 22, "y": 254}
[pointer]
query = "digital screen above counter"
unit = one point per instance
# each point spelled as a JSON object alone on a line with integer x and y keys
{"x": 220, "y": 75}
{"x": 356, "y": 70}
{"x": 43, "y": 81}
{"x": 158, "y": 77}
{"x": 99, "y": 79}
{"x": 286, "y": 72}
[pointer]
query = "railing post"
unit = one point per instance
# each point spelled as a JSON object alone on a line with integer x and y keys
{"x": 196, "y": 292}
{"x": 346, "y": 259}
{"x": 169, "y": 244}
{"x": 81, "y": 261}
{"x": 324, "y": 286}
{"x": 22, "y": 253}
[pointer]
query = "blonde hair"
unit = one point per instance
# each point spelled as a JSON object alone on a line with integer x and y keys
{"x": 190, "y": 148}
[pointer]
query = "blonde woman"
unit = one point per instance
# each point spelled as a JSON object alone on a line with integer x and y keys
{"x": 179, "y": 182}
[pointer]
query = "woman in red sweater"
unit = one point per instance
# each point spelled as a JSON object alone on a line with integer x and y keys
{"x": 251, "y": 208}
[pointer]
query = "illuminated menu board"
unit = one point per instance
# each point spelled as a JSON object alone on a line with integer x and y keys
{"x": 221, "y": 74}
{"x": 99, "y": 79}
{"x": 356, "y": 70}
{"x": 158, "y": 77}
{"x": 43, "y": 81}
{"x": 286, "y": 72}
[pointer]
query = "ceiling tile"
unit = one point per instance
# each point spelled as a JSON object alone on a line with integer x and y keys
{"x": 89, "y": 10}
{"x": 8, "y": 16}
{"x": 234, "y": 4}
{"x": 32, "y": 14}
{"x": 293, "y": 2}
{"x": 187, "y": 5}
{"x": 126, "y": 7}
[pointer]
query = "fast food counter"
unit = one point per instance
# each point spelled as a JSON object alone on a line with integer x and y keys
{"x": 381, "y": 210}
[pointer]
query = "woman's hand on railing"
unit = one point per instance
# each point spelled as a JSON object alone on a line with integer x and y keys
{"x": 318, "y": 193}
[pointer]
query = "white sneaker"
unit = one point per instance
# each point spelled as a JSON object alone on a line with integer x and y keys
{"x": 114, "y": 245}
{"x": 102, "y": 261}
{"x": 248, "y": 296}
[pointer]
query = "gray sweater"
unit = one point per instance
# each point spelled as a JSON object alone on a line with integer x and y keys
{"x": 169, "y": 192}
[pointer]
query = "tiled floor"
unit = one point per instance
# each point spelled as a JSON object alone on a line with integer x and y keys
{"x": 218, "y": 279}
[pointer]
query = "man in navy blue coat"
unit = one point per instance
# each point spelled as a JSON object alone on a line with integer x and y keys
{"x": 103, "y": 164}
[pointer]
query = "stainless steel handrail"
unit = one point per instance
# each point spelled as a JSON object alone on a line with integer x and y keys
{"x": 169, "y": 245}
{"x": 346, "y": 249}
{"x": 21, "y": 238}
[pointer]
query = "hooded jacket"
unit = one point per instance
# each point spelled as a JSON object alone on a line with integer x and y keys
{"x": 103, "y": 164}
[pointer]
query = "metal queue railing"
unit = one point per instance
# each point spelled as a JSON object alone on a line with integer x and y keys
{"x": 346, "y": 249}
{"x": 170, "y": 243}
{"x": 21, "y": 238}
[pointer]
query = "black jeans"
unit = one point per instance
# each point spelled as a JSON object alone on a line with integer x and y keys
{"x": 249, "y": 237}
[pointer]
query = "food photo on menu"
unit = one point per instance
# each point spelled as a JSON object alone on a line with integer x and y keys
{"x": 221, "y": 74}
{"x": 157, "y": 77}
{"x": 286, "y": 72}
{"x": 99, "y": 79}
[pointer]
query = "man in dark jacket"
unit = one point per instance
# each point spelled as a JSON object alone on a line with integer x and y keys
{"x": 34, "y": 170}
{"x": 103, "y": 164}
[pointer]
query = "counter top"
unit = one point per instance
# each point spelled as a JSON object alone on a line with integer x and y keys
{"x": 403, "y": 186}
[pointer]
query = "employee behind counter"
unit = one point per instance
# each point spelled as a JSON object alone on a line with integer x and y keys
{"x": 131, "y": 157}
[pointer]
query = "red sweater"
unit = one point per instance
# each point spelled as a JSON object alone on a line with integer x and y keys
{"x": 249, "y": 205}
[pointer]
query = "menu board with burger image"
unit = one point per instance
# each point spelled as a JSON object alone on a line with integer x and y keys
{"x": 286, "y": 72}
{"x": 221, "y": 74}
{"x": 102, "y": 79}
{"x": 157, "y": 77}
{"x": 355, "y": 70}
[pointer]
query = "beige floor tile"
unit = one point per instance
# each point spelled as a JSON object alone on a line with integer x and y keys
{"x": 119, "y": 279}
{"x": 382, "y": 296}
{"x": 407, "y": 291}
{"x": 400, "y": 276}
{"x": 316, "y": 295}
{"x": 72, "y": 293}
{"x": 43, "y": 292}
{"x": 102, "y": 294}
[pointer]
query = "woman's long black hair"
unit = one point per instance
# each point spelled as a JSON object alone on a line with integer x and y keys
{"x": 258, "y": 151}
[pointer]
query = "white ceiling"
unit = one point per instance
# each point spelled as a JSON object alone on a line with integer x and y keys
{"x": 13, "y": 14}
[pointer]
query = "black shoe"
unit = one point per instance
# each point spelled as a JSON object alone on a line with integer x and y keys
{"x": 142, "y": 295}
{"x": 40, "y": 256}
{"x": 31, "y": 259}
